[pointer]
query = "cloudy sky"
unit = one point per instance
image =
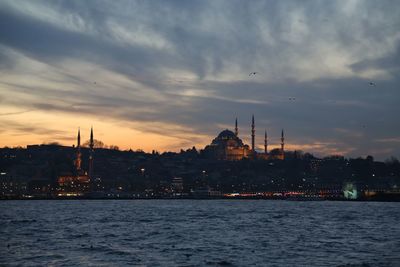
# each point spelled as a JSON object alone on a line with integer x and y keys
{"x": 167, "y": 75}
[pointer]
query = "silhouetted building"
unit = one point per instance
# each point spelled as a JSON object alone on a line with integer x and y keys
{"x": 282, "y": 155}
{"x": 91, "y": 155}
{"x": 78, "y": 183}
{"x": 78, "y": 160}
{"x": 228, "y": 146}
{"x": 253, "y": 133}
{"x": 265, "y": 143}
{"x": 177, "y": 185}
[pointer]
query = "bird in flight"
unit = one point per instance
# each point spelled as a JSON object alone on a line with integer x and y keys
{"x": 372, "y": 84}
{"x": 252, "y": 73}
{"x": 292, "y": 98}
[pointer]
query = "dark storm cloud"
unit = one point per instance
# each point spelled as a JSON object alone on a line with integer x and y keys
{"x": 190, "y": 62}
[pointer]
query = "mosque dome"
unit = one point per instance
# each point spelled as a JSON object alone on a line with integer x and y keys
{"x": 227, "y": 138}
{"x": 226, "y": 134}
{"x": 228, "y": 146}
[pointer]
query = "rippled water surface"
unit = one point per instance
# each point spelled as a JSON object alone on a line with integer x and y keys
{"x": 199, "y": 232}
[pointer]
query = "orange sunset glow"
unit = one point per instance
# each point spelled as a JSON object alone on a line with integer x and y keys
{"x": 172, "y": 84}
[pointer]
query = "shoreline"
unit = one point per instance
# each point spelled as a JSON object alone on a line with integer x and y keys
{"x": 383, "y": 199}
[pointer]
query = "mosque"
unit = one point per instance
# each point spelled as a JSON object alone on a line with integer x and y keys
{"x": 78, "y": 183}
{"x": 228, "y": 146}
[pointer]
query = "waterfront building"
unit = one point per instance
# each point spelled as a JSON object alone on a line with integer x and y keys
{"x": 177, "y": 185}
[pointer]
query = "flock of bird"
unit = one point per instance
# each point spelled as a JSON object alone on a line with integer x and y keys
{"x": 293, "y": 98}
{"x": 290, "y": 98}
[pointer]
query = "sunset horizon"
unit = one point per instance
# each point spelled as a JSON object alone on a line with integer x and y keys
{"x": 142, "y": 141}
{"x": 169, "y": 76}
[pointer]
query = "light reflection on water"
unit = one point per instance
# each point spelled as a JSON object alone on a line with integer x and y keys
{"x": 199, "y": 232}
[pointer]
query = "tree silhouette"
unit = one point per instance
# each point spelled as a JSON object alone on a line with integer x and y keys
{"x": 97, "y": 144}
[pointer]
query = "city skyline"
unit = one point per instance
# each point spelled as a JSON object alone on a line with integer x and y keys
{"x": 199, "y": 132}
{"x": 169, "y": 75}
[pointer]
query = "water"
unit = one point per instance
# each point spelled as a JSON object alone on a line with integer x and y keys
{"x": 199, "y": 233}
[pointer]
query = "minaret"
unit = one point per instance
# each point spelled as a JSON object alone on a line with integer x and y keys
{"x": 253, "y": 132}
{"x": 265, "y": 143}
{"x": 236, "y": 128}
{"x": 91, "y": 152}
{"x": 78, "y": 160}
{"x": 79, "y": 138}
{"x": 91, "y": 144}
{"x": 282, "y": 145}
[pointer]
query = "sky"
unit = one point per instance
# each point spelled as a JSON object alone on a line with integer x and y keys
{"x": 165, "y": 75}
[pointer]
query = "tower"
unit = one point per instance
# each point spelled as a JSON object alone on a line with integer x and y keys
{"x": 253, "y": 132}
{"x": 265, "y": 143}
{"x": 91, "y": 144}
{"x": 236, "y": 128}
{"x": 282, "y": 145}
{"x": 78, "y": 160}
{"x": 91, "y": 152}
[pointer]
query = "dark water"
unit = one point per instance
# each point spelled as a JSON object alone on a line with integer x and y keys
{"x": 198, "y": 233}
